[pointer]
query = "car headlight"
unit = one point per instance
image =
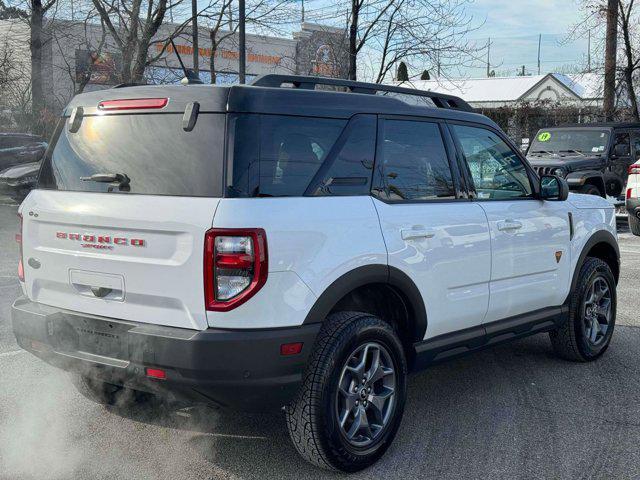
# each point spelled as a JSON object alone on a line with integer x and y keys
{"x": 559, "y": 172}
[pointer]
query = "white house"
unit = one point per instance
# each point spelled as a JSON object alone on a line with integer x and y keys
{"x": 579, "y": 90}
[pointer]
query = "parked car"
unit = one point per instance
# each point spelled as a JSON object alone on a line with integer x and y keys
{"x": 18, "y": 181}
{"x": 19, "y": 148}
{"x": 633, "y": 200}
{"x": 258, "y": 247}
{"x": 593, "y": 158}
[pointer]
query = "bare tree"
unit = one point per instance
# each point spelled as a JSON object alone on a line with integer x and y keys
{"x": 81, "y": 36}
{"x": 630, "y": 66}
{"x": 627, "y": 74}
{"x": 430, "y": 32}
{"x": 133, "y": 27}
{"x": 15, "y": 86}
{"x": 611, "y": 46}
{"x": 218, "y": 14}
{"x": 33, "y": 12}
{"x": 264, "y": 16}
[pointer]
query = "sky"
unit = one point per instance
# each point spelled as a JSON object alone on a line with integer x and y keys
{"x": 514, "y": 26}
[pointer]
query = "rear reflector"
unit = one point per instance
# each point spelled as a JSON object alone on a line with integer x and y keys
{"x": 156, "y": 373}
{"x": 133, "y": 104}
{"x": 290, "y": 348}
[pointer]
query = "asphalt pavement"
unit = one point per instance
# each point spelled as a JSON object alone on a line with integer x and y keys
{"x": 513, "y": 412}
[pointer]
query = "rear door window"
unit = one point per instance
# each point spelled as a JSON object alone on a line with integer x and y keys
{"x": 412, "y": 162}
{"x": 283, "y": 156}
{"x": 153, "y": 150}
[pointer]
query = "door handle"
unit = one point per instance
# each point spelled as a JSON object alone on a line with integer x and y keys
{"x": 509, "y": 225}
{"x": 415, "y": 233}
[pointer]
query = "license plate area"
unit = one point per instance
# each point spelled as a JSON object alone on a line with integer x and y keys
{"x": 71, "y": 334}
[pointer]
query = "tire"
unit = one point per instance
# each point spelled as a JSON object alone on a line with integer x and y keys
{"x": 579, "y": 339}
{"x": 590, "y": 190}
{"x": 313, "y": 417}
{"x": 107, "y": 394}
{"x": 634, "y": 225}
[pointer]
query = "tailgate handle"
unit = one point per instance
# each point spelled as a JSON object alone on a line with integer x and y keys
{"x": 106, "y": 286}
{"x": 101, "y": 292}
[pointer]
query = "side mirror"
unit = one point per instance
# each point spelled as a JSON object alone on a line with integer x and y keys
{"x": 553, "y": 188}
{"x": 621, "y": 150}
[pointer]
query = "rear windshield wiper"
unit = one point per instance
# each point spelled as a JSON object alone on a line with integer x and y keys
{"x": 119, "y": 180}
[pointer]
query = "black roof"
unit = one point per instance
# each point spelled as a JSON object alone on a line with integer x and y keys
{"x": 359, "y": 98}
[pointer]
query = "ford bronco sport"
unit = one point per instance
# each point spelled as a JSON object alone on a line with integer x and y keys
{"x": 282, "y": 245}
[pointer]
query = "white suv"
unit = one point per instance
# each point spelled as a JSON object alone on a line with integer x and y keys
{"x": 259, "y": 247}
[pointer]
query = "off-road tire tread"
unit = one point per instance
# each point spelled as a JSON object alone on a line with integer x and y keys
{"x": 564, "y": 339}
{"x": 634, "y": 225}
{"x": 307, "y": 406}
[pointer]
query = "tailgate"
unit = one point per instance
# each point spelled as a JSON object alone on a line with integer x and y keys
{"x": 130, "y": 257}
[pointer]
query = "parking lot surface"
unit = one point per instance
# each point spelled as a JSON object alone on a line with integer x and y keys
{"x": 513, "y": 412}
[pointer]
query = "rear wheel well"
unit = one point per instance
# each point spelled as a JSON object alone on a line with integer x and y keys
{"x": 385, "y": 302}
{"x": 605, "y": 252}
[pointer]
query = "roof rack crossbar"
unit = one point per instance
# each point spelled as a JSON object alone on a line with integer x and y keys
{"x": 441, "y": 100}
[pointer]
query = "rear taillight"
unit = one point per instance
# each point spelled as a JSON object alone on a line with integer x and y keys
{"x": 235, "y": 266}
{"x": 629, "y": 190}
{"x": 133, "y": 104}
{"x": 19, "y": 240}
{"x": 634, "y": 169}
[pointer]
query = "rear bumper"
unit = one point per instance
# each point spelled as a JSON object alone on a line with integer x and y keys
{"x": 633, "y": 206}
{"x": 237, "y": 369}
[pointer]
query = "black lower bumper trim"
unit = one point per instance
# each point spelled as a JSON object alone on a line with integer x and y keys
{"x": 237, "y": 369}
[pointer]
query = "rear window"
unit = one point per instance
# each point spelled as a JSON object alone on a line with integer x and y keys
{"x": 153, "y": 150}
{"x": 279, "y": 155}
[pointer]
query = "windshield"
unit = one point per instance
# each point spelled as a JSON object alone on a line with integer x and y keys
{"x": 153, "y": 152}
{"x": 564, "y": 141}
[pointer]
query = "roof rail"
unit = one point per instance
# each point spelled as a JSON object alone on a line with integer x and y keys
{"x": 440, "y": 100}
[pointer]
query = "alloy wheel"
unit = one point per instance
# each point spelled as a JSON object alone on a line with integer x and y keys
{"x": 366, "y": 394}
{"x": 596, "y": 311}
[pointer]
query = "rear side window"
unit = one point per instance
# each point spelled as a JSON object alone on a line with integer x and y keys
{"x": 413, "y": 163}
{"x": 154, "y": 151}
{"x": 279, "y": 155}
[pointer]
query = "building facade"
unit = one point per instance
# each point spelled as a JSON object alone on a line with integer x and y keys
{"x": 80, "y": 57}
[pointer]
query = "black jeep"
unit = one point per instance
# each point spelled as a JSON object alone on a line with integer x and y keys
{"x": 594, "y": 158}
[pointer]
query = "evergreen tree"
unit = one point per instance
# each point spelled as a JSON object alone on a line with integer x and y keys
{"x": 403, "y": 73}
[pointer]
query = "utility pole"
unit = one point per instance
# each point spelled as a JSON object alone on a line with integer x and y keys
{"x": 589, "y": 52}
{"x": 302, "y": 11}
{"x": 242, "y": 59}
{"x": 610, "y": 59}
{"x": 539, "y": 47}
{"x": 489, "y": 57}
{"x": 194, "y": 33}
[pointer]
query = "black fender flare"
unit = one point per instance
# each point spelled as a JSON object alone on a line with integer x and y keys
{"x": 372, "y": 274}
{"x": 594, "y": 177}
{"x": 601, "y": 236}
